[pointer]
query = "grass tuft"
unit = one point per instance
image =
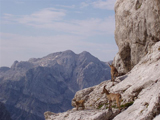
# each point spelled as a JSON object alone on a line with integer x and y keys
{"x": 126, "y": 105}
{"x": 99, "y": 107}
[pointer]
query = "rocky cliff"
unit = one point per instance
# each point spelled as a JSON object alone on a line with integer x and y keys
{"x": 137, "y": 29}
{"x": 140, "y": 90}
{"x": 29, "y": 88}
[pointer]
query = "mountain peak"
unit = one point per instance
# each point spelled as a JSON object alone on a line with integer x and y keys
{"x": 68, "y": 52}
{"x": 85, "y": 53}
{"x": 49, "y": 83}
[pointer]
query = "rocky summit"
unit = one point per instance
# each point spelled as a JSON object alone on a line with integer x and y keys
{"x": 139, "y": 88}
{"x": 29, "y": 88}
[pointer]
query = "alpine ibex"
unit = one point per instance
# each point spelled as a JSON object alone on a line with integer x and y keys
{"x": 79, "y": 103}
{"x": 114, "y": 72}
{"x": 112, "y": 97}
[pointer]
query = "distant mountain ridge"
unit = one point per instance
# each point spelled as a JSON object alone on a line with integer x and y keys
{"x": 29, "y": 88}
{"x": 4, "y": 114}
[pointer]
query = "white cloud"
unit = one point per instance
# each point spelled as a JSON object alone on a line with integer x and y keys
{"x": 7, "y": 16}
{"x": 47, "y": 15}
{"x": 107, "y": 4}
{"x": 101, "y": 4}
{"x": 21, "y": 48}
{"x": 84, "y": 4}
{"x": 65, "y": 6}
{"x": 54, "y": 19}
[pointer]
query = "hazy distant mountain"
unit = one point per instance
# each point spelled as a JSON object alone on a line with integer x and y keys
{"x": 30, "y": 88}
{"x": 4, "y": 114}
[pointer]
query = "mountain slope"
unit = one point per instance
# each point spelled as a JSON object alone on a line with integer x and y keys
{"x": 29, "y": 88}
{"x": 140, "y": 90}
{"x": 4, "y": 114}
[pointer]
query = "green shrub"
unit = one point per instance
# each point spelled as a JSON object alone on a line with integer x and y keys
{"x": 100, "y": 106}
{"x": 126, "y": 105}
{"x": 139, "y": 6}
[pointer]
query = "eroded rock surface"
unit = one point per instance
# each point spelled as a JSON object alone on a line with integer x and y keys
{"x": 81, "y": 115}
{"x": 137, "y": 29}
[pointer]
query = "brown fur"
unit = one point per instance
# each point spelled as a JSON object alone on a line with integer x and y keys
{"x": 79, "y": 103}
{"x": 114, "y": 72}
{"x": 112, "y": 97}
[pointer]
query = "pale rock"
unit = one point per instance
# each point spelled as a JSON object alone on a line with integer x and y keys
{"x": 157, "y": 117}
{"x": 82, "y": 115}
{"x": 137, "y": 29}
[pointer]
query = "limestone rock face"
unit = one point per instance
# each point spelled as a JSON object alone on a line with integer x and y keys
{"x": 140, "y": 90}
{"x": 137, "y": 29}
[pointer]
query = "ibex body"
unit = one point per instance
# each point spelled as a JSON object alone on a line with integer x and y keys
{"x": 114, "y": 72}
{"x": 112, "y": 97}
{"x": 79, "y": 103}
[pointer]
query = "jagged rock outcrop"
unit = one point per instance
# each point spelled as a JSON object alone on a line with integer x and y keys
{"x": 4, "y": 114}
{"x": 29, "y": 88}
{"x": 140, "y": 90}
{"x": 137, "y": 29}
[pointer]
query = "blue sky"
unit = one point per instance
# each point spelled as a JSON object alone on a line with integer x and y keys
{"x": 36, "y": 28}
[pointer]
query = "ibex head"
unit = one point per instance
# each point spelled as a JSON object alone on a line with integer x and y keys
{"x": 104, "y": 90}
{"x": 110, "y": 65}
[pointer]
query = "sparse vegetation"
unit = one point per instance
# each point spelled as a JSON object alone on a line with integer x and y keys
{"x": 99, "y": 107}
{"x": 127, "y": 105}
{"x": 141, "y": 111}
{"x": 124, "y": 91}
{"x": 139, "y": 6}
{"x": 98, "y": 99}
{"x": 90, "y": 105}
{"x": 146, "y": 104}
{"x": 113, "y": 106}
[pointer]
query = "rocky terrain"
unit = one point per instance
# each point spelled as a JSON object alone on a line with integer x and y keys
{"x": 140, "y": 90}
{"x": 29, "y": 88}
{"x": 137, "y": 29}
{"x": 137, "y": 35}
